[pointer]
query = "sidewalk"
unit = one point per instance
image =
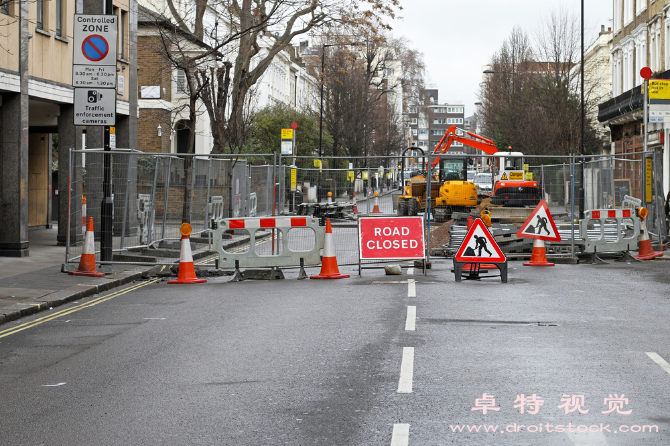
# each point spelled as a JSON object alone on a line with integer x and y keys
{"x": 36, "y": 283}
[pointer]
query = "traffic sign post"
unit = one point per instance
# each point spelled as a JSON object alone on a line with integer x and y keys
{"x": 479, "y": 247}
{"x": 94, "y": 68}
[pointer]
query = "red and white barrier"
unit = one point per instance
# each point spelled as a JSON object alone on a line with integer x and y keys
{"x": 270, "y": 222}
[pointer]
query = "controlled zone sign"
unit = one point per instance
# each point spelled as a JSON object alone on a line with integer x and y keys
{"x": 540, "y": 225}
{"x": 95, "y": 38}
{"x": 391, "y": 238}
{"x": 479, "y": 246}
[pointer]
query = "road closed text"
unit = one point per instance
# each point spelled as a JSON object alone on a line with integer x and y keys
{"x": 391, "y": 238}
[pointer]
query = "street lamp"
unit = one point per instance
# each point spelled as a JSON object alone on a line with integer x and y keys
{"x": 323, "y": 62}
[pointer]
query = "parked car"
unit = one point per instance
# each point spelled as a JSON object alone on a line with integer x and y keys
{"x": 484, "y": 183}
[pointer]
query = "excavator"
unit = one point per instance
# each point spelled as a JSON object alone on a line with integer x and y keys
{"x": 450, "y": 190}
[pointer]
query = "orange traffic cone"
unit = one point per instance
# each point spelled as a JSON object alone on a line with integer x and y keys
{"x": 186, "y": 268}
{"x": 87, "y": 261}
{"x": 376, "y": 210}
{"x": 329, "y": 269}
{"x": 355, "y": 210}
{"x": 469, "y": 221}
{"x": 646, "y": 251}
{"x": 539, "y": 255}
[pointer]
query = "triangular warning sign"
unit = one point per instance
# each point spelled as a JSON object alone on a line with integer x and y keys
{"x": 540, "y": 225}
{"x": 479, "y": 246}
{"x": 504, "y": 177}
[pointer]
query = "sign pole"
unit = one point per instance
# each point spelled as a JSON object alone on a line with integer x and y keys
{"x": 107, "y": 240}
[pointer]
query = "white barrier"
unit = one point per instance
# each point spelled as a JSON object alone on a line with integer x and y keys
{"x": 253, "y": 204}
{"x": 285, "y": 257}
{"x": 215, "y": 209}
{"x": 626, "y": 225}
{"x": 145, "y": 215}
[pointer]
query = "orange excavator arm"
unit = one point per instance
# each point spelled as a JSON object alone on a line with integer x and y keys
{"x": 472, "y": 140}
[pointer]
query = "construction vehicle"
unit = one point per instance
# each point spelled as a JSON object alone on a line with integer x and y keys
{"x": 450, "y": 190}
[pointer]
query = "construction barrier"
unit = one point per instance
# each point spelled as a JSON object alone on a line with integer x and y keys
{"x": 618, "y": 230}
{"x": 215, "y": 210}
{"x": 253, "y": 204}
{"x": 145, "y": 216}
{"x": 257, "y": 229}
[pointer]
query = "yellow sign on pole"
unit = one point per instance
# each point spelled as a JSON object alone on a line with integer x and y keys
{"x": 293, "y": 179}
{"x": 350, "y": 175}
{"x": 365, "y": 174}
{"x": 658, "y": 89}
{"x": 317, "y": 163}
{"x": 649, "y": 166}
{"x": 286, "y": 133}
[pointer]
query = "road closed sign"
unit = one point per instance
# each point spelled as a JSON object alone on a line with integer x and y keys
{"x": 391, "y": 238}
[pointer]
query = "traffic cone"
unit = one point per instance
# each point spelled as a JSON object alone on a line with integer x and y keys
{"x": 646, "y": 251}
{"x": 376, "y": 210}
{"x": 539, "y": 255}
{"x": 186, "y": 268}
{"x": 469, "y": 221}
{"x": 355, "y": 210}
{"x": 330, "y": 197}
{"x": 87, "y": 261}
{"x": 329, "y": 269}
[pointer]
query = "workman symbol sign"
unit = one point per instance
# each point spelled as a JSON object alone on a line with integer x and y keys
{"x": 479, "y": 246}
{"x": 540, "y": 225}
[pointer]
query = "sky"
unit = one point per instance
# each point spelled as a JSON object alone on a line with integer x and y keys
{"x": 457, "y": 37}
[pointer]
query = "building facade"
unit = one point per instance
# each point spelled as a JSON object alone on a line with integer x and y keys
{"x": 38, "y": 103}
{"x": 428, "y": 123}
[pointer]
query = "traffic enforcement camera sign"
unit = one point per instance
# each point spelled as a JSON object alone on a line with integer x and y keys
{"x": 391, "y": 238}
{"x": 540, "y": 225}
{"x": 95, "y": 38}
{"x": 479, "y": 246}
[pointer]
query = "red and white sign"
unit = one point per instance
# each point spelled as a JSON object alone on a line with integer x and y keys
{"x": 479, "y": 246}
{"x": 391, "y": 238}
{"x": 540, "y": 225}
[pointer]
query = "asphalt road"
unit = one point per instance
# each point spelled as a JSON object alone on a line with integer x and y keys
{"x": 346, "y": 362}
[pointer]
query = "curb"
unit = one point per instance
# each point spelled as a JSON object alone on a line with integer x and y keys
{"x": 61, "y": 297}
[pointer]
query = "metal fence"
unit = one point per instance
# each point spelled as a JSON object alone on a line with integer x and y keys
{"x": 154, "y": 193}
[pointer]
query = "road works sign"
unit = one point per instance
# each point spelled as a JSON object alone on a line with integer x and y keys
{"x": 95, "y": 38}
{"x": 540, "y": 225}
{"x": 479, "y": 246}
{"x": 391, "y": 238}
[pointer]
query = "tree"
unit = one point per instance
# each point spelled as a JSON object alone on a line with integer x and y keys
{"x": 266, "y": 132}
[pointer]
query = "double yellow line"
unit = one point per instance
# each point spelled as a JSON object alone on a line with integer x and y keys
{"x": 59, "y": 314}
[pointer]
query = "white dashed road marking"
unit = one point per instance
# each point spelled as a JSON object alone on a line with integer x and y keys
{"x": 411, "y": 288}
{"x": 587, "y": 438}
{"x": 660, "y": 361}
{"x": 410, "y": 271}
{"x": 410, "y": 323}
{"x": 400, "y": 435}
{"x": 406, "y": 370}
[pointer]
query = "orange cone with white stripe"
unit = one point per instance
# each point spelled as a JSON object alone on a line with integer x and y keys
{"x": 329, "y": 269}
{"x": 539, "y": 255}
{"x": 87, "y": 261}
{"x": 646, "y": 251}
{"x": 186, "y": 268}
{"x": 355, "y": 210}
{"x": 376, "y": 210}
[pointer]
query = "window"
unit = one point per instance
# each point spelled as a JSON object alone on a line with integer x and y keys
{"x": 413, "y": 121}
{"x": 437, "y": 132}
{"x": 411, "y": 110}
{"x": 4, "y": 9}
{"x": 459, "y": 132}
{"x": 423, "y": 123}
{"x": 617, "y": 16}
{"x": 59, "y": 18}
{"x": 422, "y": 143}
{"x": 440, "y": 121}
{"x": 457, "y": 144}
{"x": 641, "y": 6}
{"x": 414, "y": 132}
{"x": 440, "y": 110}
{"x": 182, "y": 84}
{"x": 628, "y": 12}
{"x": 454, "y": 109}
{"x": 40, "y": 14}
{"x": 455, "y": 121}
{"x": 389, "y": 72}
{"x": 423, "y": 132}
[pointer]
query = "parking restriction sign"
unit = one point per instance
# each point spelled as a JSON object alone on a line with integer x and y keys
{"x": 95, "y": 38}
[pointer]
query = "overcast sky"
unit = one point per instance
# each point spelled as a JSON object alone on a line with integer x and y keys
{"x": 457, "y": 37}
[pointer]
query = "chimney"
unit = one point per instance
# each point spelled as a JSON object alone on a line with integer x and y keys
{"x": 602, "y": 28}
{"x": 609, "y": 30}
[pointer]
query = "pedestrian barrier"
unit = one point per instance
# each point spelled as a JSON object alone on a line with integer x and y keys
{"x": 284, "y": 256}
{"x": 253, "y": 204}
{"x": 186, "y": 268}
{"x": 215, "y": 210}
{"x": 87, "y": 261}
{"x": 145, "y": 215}
{"x": 329, "y": 268}
{"x": 625, "y": 236}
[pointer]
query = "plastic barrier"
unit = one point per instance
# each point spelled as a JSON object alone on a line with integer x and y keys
{"x": 253, "y": 204}
{"x": 145, "y": 215}
{"x": 215, "y": 210}
{"x": 616, "y": 241}
{"x": 285, "y": 257}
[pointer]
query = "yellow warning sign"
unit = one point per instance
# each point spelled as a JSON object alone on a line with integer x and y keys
{"x": 350, "y": 175}
{"x": 365, "y": 174}
{"x": 293, "y": 179}
{"x": 504, "y": 177}
{"x": 529, "y": 176}
{"x": 516, "y": 176}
